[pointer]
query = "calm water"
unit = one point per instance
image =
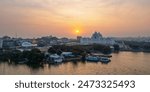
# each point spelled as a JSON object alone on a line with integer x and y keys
{"x": 121, "y": 63}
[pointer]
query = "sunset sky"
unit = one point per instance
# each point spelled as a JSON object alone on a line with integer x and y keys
{"x": 69, "y": 18}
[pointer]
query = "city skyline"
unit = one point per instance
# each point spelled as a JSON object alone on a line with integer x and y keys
{"x": 70, "y": 18}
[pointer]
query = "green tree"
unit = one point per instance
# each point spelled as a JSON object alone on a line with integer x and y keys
{"x": 51, "y": 50}
{"x": 16, "y": 56}
{"x": 116, "y": 47}
{"x": 35, "y": 56}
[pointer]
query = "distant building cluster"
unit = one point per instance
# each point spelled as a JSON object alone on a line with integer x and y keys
{"x": 44, "y": 43}
{"x": 136, "y": 39}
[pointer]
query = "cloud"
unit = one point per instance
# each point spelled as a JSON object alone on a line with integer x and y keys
{"x": 69, "y": 9}
{"x": 125, "y": 13}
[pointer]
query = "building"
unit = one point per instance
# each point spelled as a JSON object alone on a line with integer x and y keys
{"x": 79, "y": 38}
{"x": 9, "y": 43}
{"x": 1, "y": 43}
{"x": 28, "y": 44}
{"x": 97, "y": 38}
{"x": 44, "y": 49}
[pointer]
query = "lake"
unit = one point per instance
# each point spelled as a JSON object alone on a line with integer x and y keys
{"x": 122, "y": 63}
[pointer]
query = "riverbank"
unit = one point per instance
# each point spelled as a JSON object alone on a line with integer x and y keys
{"x": 122, "y": 63}
{"x": 77, "y": 53}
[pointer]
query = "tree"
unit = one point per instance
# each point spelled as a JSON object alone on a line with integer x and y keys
{"x": 59, "y": 52}
{"x": 51, "y": 50}
{"x": 35, "y": 56}
{"x": 16, "y": 56}
{"x": 26, "y": 54}
{"x": 106, "y": 50}
{"x": 116, "y": 47}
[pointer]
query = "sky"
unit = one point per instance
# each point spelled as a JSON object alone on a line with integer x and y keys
{"x": 70, "y": 18}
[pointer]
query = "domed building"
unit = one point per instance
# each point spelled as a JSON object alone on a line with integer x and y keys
{"x": 26, "y": 44}
{"x": 97, "y": 38}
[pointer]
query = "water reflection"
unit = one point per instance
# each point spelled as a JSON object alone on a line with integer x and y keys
{"x": 106, "y": 63}
{"x": 121, "y": 63}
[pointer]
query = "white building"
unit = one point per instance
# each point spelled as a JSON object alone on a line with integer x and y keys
{"x": 28, "y": 44}
{"x": 97, "y": 38}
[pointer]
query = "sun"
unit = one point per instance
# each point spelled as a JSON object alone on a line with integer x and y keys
{"x": 77, "y": 31}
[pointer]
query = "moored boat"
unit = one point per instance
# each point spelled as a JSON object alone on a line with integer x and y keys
{"x": 92, "y": 58}
{"x": 105, "y": 59}
{"x": 55, "y": 58}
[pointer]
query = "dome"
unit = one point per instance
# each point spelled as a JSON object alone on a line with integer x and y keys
{"x": 97, "y": 35}
{"x": 26, "y": 44}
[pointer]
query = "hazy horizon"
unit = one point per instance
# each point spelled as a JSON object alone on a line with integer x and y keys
{"x": 70, "y": 18}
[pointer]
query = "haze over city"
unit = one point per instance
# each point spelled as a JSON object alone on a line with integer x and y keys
{"x": 69, "y": 18}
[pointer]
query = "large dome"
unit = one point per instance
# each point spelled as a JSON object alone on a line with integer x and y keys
{"x": 97, "y": 35}
{"x": 26, "y": 44}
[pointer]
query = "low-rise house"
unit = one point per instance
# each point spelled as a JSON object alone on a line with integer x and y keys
{"x": 9, "y": 44}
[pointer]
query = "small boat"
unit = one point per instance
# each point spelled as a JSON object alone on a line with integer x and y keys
{"x": 68, "y": 54}
{"x": 56, "y": 58}
{"x": 92, "y": 58}
{"x": 101, "y": 55}
{"x": 104, "y": 59}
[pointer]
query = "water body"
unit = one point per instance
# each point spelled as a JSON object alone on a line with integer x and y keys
{"x": 123, "y": 63}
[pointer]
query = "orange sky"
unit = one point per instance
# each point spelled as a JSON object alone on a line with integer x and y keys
{"x": 35, "y": 18}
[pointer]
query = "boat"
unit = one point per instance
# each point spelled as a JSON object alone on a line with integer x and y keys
{"x": 68, "y": 54}
{"x": 92, "y": 58}
{"x": 101, "y": 55}
{"x": 55, "y": 58}
{"x": 104, "y": 59}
